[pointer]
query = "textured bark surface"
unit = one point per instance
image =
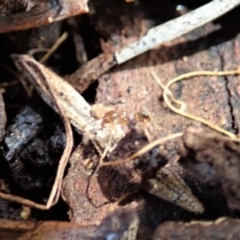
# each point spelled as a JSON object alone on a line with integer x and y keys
{"x": 130, "y": 90}
{"x": 223, "y": 228}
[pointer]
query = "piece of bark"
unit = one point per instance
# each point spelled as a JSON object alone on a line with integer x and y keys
{"x": 21, "y": 14}
{"x": 222, "y": 228}
{"x": 230, "y": 55}
{"x": 97, "y": 190}
{"x": 213, "y": 159}
{"x": 76, "y": 189}
{"x": 121, "y": 224}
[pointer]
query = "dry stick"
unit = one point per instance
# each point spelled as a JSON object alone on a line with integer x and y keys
{"x": 56, "y": 189}
{"x": 187, "y": 76}
{"x": 7, "y": 84}
{"x": 55, "y": 192}
{"x": 176, "y": 28}
{"x": 22, "y": 201}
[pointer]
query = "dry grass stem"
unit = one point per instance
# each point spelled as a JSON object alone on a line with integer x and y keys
{"x": 55, "y": 192}
{"x": 54, "y": 47}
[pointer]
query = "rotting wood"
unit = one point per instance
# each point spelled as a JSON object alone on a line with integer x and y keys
{"x": 105, "y": 143}
{"x": 222, "y": 228}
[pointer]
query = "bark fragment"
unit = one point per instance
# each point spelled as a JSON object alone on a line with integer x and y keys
{"x": 34, "y": 13}
{"x": 222, "y": 228}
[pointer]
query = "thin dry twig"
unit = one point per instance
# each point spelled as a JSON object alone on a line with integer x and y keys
{"x": 145, "y": 149}
{"x": 27, "y": 89}
{"x": 54, "y": 47}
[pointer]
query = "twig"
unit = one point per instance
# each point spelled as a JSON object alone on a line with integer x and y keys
{"x": 176, "y": 28}
{"x": 27, "y": 89}
{"x": 54, "y": 47}
{"x": 156, "y": 36}
{"x": 143, "y": 150}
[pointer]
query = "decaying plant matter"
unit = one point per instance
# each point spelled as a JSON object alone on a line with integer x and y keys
{"x": 127, "y": 155}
